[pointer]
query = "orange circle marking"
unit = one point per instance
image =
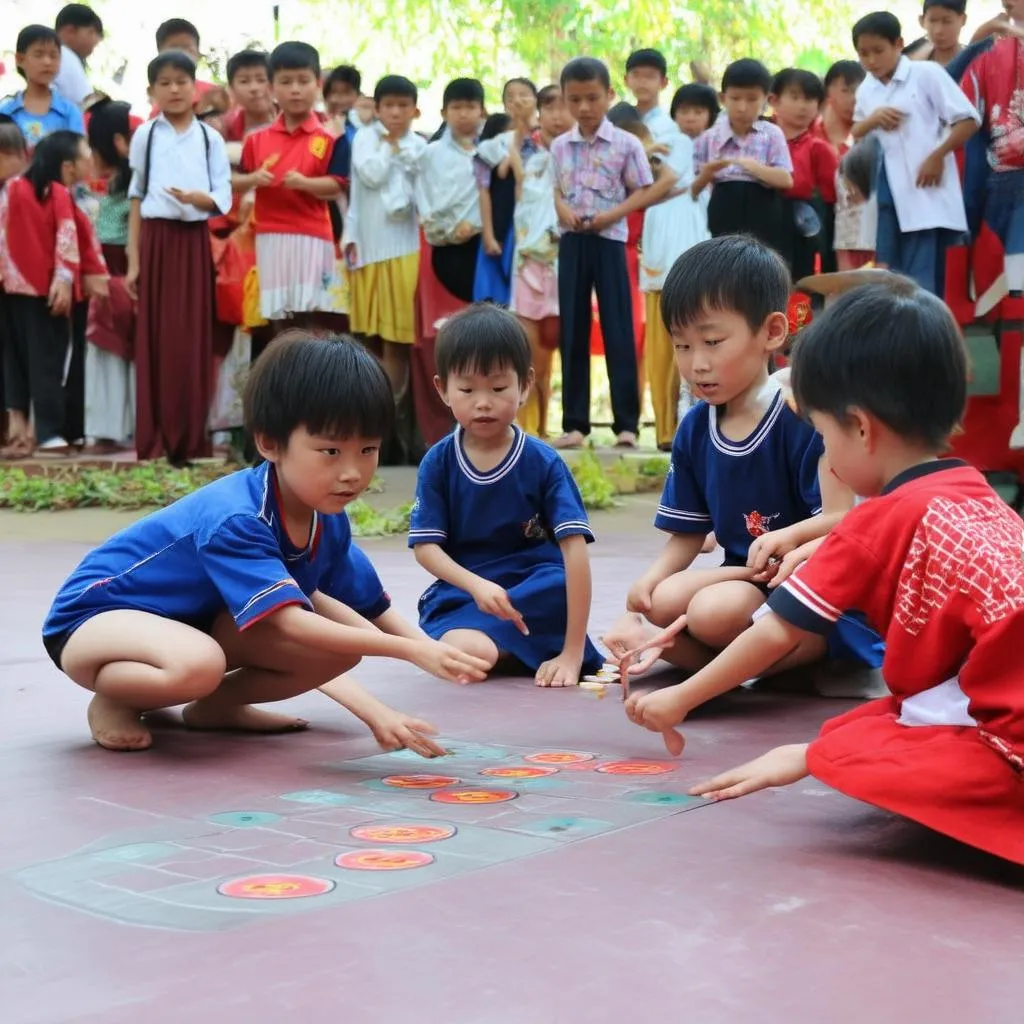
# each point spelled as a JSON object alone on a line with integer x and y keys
{"x": 420, "y": 781}
{"x": 518, "y": 772}
{"x": 402, "y": 834}
{"x": 634, "y": 768}
{"x": 558, "y": 757}
{"x": 473, "y": 796}
{"x": 384, "y": 860}
{"x": 275, "y": 887}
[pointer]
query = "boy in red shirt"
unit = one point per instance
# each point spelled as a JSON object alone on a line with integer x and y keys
{"x": 809, "y": 205}
{"x": 933, "y": 559}
{"x": 179, "y": 34}
{"x": 249, "y": 86}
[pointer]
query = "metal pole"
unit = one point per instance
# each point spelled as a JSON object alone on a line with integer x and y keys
{"x": 277, "y": 23}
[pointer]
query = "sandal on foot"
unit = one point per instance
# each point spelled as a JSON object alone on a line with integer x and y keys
{"x": 570, "y": 440}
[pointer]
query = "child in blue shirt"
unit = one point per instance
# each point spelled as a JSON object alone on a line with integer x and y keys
{"x": 498, "y": 519}
{"x": 235, "y": 594}
{"x": 744, "y": 464}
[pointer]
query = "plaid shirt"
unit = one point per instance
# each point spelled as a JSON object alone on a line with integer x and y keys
{"x": 764, "y": 143}
{"x": 595, "y": 175}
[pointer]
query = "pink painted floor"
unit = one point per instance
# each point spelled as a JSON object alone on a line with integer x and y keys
{"x": 788, "y": 906}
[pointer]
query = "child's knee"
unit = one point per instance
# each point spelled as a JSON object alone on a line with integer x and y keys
{"x": 472, "y": 641}
{"x": 718, "y": 614}
{"x": 671, "y": 598}
{"x": 195, "y": 671}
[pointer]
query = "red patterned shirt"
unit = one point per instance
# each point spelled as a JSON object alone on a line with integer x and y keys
{"x": 38, "y": 240}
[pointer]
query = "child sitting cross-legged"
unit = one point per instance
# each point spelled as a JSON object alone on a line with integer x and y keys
{"x": 234, "y": 595}
{"x": 497, "y": 518}
{"x": 933, "y": 559}
{"x": 744, "y": 465}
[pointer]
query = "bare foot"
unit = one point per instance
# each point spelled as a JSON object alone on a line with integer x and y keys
{"x": 116, "y": 727}
{"x": 238, "y": 718}
{"x": 629, "y": 633}
{"x": 570, "y": 439}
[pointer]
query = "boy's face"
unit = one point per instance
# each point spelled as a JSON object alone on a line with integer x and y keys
{"x": 554, "y": 118}
{"x": 588, "y": 103}
{"x": 645, "y": 84}
{"x": 485, "y": 405}
{"x": 848, "y": 450}
{"x": 744, "y": 105}
{"x": 794, "y": 110}
{"x": 692, "y": 121}
{"x": 842, "y": 98}
{"x": 943, "y": 27}
{"x": 250, "y": 89}
{"x": 173, "y": 91}
{"x": 721, "y": 357}
{"x": 520, "y": 102}
{"x": 397, "y": 114}
{"x": 296, "y": 90}
{"x": 878, "y": 56}
{"x": 341, "y": 98}
{"x": 184, "y": 42}
{"x": 82, "y": 41}
{"x": 366, "y": 109}
{"x": 12, "y": 164}
{"x": 463, "y": 118}
{"x": 40, "y": 63}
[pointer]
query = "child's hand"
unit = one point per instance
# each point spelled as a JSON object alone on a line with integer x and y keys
{"x": 60, "y": 297}
{"x": 97, "y": 286}
{"x": 568, "y": 218}
{"x": 886, "y": 118}
{"x": 561, "y": 671}
{"x": 493, "y": 600}
{"x": 779, "y": 767}
{"x": 929, "y": 174}
{"x": 659, "y": 712}
{"x": 640, "y": 596}
{"x": 447, "y": 662}
{"x": 262, "y": 177}
{"x": 652, "y": 649}
{"x": 200, "y": 200}
{"x": 394, "y": 731}
{"x": 295, "y": 181}
{"x": 793, "y": 561}
{"x": 600, "y": 222}
{"x": 712, "y": 167}
{"x": 767, "y": 552}
{"x": 464, "y": 231}
{"x": 131, "y": 281}
{"x": 492, "y": 246}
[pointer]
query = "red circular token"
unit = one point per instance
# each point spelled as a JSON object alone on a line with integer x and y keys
{"x": 420, "y": 781}
{"x": 634, "y": 768}
{"x": 403, "y": 833}
{"x": 384, "y": 860}
{"x": 558, "y": 757}
{"x": 473, "y": 796}
{"x": 518, "y": 771}
{"x": 275, "y": 887}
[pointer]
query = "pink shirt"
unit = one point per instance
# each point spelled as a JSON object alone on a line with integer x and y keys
{"x": 764, "y": 143}
{"x": 596, "y": 174}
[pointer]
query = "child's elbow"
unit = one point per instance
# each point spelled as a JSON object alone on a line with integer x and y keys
{"x": 785, "y": 180}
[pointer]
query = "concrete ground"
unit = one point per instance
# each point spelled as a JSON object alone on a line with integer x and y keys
{"x": 590, "y": 897}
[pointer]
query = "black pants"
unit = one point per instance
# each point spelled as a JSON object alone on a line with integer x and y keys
{"x": 588, "y": 263}
{"x": 74, "y": 382}
{"x": 34, "y": 364}
{"x": 747, "y": 208}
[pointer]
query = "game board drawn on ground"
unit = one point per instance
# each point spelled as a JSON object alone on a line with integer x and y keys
{"x": 379, "y": 825}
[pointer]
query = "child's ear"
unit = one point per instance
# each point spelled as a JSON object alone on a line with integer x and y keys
{"x": 527, "y": 385}
{"x": 772, "y": 99}
{"x": 776, "y": 328}
{"x": 440, "y": 389}
{"x": 920, "y": 20}
{"x": 268, "y": 449}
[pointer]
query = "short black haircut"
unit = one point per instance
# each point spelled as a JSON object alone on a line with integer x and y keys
{"x": 647, "y": 58}
{"x": 483, "y": 338}
{"x": 294, "y": 56}
{"x": 891, "y": 349}
{"x": 849, "y": 71}
{"x": 395, "y": 85}
{"x": 178, "y": 60}
{"x": 878, "y": 23}
{"x": 696, "y": 94}
{"x": 586, "y": 69}
{"x": 518, "y": 81}
{"x": 732, "y": 274}
{"x": 956, "y": 6}
{"x": 463, "y": 90}
{"x": 329, "y": 384}
{"x": 495, "y": 125}
{"x": 175, "y": 27}
{"x": 747, "y": 73}
{"x": 624, "y": 113}
{"x": 807, "y": 83}
{"x": 548, "y": 95}
{"x": 343, "y": 74}
{"x": 860, "y": 165}
{"x": 78, "y": 16}
{"x": 12, "y": 142}
{"x": 31, "y": 35}
{"x": 245, "y": 60}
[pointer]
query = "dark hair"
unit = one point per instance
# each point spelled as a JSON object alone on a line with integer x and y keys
{"x": 30, "y": 35}
{"x": 956, "y": 6}
{"x": 331, "y": 385}
{"x": 343, "y": 74}
{"x": 48, "y": 159}
{"x": 463, "y": 90}
{"x": 850, "y": 71}
{"x": 78, "y": 16}
{"x": 548, "y": 95}
{"x": 623, "y": 114}
{"x": 294, "y": 56}
{"x": 747, "y": 74}
{"x": 878, "y": 23}
{"x": 108, "y": 119}
{"x": 481, "y": 339}
{"x": 395, "y": 85}
{"x": 891, "y": 349}
{"x": 495, "y": 125}
{"x": 176, "y": 60}
{"x": 695, "y": 94}
{"x": 860, "y": 165}
{"x": 518, "y": 81}
{"x": 176, "y": 27}
{"x": 586, "y": 69}
{"x": 245, "y": 60}
{"x": 807, "y": 83}
{"x": 11, "y": 140}
{"x": 731, "y": 273}
{"x": 647, "y": 59}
